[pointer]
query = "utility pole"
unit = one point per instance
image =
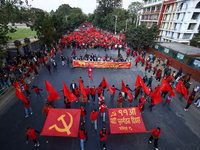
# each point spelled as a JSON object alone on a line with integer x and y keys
{"x": 126, "y": 24}
{"x": 115, "y": 23}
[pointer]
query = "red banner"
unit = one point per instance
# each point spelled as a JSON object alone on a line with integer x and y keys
{"x": 62, "y": 122}
{"x": 101, "y": 64}
{"x": 126, "y": 120}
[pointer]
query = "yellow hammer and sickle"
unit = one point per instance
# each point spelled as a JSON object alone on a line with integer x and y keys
{"x": 67, "y": 127}
{"x": 19, "y": 89}
{"x": 82, "y": 63}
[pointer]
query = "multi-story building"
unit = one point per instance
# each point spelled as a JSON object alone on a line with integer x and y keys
{"x": 178, "y": 20}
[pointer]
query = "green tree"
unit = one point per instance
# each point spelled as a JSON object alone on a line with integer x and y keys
{"x": 134, "y": 12}
{"x": 46, "y": 32}
{"x": 8, "y": 13}
{"x": 195, "y": 41}
{"x": 141, "y": 35}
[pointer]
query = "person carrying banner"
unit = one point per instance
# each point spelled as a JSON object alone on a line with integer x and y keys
{"x": 102, "y": 109}
{"x": 119, "y": 100}
{"x": 103, "y": 137}
{"x": 46, "y": 109}
{"x": 83, "y": 113}
{"x": 31, "y": 134}
{"x": 83, "y": 137}
{"x": 93, "y": 118}
{"x": 155, "y": 135}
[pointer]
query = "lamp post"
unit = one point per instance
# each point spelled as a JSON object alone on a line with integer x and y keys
{"x": 66, "y": 16}
{"x": 115, "y": 22}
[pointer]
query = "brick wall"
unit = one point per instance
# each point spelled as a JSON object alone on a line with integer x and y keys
{"x": 177, "y": 65}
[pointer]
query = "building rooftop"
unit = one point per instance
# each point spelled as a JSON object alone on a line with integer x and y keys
{"x": 182, "y": 48}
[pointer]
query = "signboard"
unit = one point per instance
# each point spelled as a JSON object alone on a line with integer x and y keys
{"x": 126, "y": 120}
{"x": 156, "y": 47}
{"x": 166, "y": 50}
{"x": 196, "y": 63}
{"x": 180, "y": 56}
{"x": 101, "y": 64}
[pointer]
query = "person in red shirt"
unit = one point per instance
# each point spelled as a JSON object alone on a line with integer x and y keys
{"x": 168, "y": 101}
{"x": 137, "y": 91}
{"x": 46, "y": 109}
{"x": 83, "y": 137}
{"x": 37, "y": 91}
{"x": 101, "y": 98}
{"x": 114, "y": 89}
{"x": 26, "y": 88}
{"x": 130, "y": 100}
{"x": 99, "y": 90}
{"x": 103, "y": 137}
{"x": 83, "y": 113}
{"x": 77, "y": 93}
{"x": 136, "y": 61}
{"x": 119, "y": 100}
{"x": 83, "y": 100}
{"x": 102, "y": 109}
{"x": 93, "y": 93}
{"x": 139, "y": 106}
{"x": 67, "y": 103}
{"x": 142, "y": 100}
{"x": 154, "y": 70}
{"x": 190, "y": 101}
{"x": 87, "y": 90}
{"x": 27, "y": 106}
{"x": 31, "y": 134}
{"x": 93, "y": 118}
{"x": 155, "y": 135}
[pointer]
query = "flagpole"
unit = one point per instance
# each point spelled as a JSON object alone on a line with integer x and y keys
{"x": 89, "y": 82}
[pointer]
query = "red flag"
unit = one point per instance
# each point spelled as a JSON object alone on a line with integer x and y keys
{"x": 139, "y": 82}
{"x": 103, "y": 83}
{"x": 19, "y": 93}
{"x": 125, "y": 90}
{"x": 165, "y": 86}
{"x": 62, "y": 122}
{"x": 82, "y": 88}
{"x": 53, "y": 94}
{"x": 156, "y": 96}
{"x": 111, "y": 91}
{"x": 67, "y": 93}
{"x": 181, "y": 88}
{"x": 90, "y": 70}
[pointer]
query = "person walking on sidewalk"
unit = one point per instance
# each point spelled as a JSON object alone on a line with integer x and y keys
{"x": 103, "y": 137}
{"x": 93, "y": 118}
{"x": 31, "y": 134}
{"x": 155, "y": 135}
{"x": 27, "y": 106}
{"x": 102, "y": 109}
{"x": 83, "y": 137}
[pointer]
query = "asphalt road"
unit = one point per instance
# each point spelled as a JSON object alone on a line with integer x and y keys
{"x": 180, "y": 129}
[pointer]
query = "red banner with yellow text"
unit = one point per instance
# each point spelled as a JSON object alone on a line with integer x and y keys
{"x": 62, "y": 122}
{"x": 101, "y": 64}
{"x": 126, "y": 120}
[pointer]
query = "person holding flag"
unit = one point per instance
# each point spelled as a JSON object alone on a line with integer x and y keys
{"x": 155, "y": 135}
{"x": 67, "y": 103}
{"x": 119, "y": 100}
{"x": 87, "y": 90}
{"x": 83, "y": 100}
{"x": 46, "y": 109}
{"x": 99, "y": 90}
{"x": 127, "y": 87}
{"x": 77, "y": 93}
{"x": 37, "y": 92}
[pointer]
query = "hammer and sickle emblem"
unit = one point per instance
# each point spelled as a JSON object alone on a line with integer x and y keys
{"x": 19, "y": 89}
{"x": 82, "y": 63}
{"x": 67, "y": 127}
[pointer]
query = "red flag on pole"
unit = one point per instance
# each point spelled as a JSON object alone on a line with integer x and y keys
{"x": 125, "y": 90}
{"x": 165, "y": 86}
{"x": 156, "y": 96}
{"x": 90, "y": 70}
{"x": 68, "y": 94}
{"x": 103, "y": 83}
{"x": 181, "y": 88}
{"x": 139, "y": 82}
{"x": 82, "y": 88}
{"x": 19, "y": 93}
{"x": 53, "y": 94}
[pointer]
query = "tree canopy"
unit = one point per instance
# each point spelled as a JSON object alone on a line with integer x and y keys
{"x": 195, "y": 41}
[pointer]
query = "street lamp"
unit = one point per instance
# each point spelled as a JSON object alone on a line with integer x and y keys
{"x": 67, "y": 17}
{"x": 115, "y": 23}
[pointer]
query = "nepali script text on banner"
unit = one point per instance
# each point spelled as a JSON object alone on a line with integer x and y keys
{"x": 126, "y": 120}
{"x": 101, "y": 64}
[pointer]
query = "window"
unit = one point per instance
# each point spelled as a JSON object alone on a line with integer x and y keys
{"x": 148, "y": 9}
{"x": 195, "y": 15}
{"x": 158, "y": 7}
{"x": 153, "y": 8}
{"x": 186, "y": 35}
{"x": 151, "y": 17}
{"x": 143, "y": 16}
{"x": 191, "y": 26}
{"x": 166, "y": 33}
{"x": 144, "y": 9}
{"x": 175, "y": 26}
{"x": 146, "y": 17}
{"x": 178, "y": 35}
{"x": 172, "y": 35}
{"x": 198, "y": 5}
{"x": 177, "y": 16}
